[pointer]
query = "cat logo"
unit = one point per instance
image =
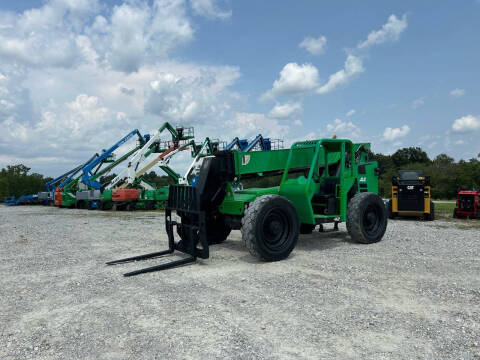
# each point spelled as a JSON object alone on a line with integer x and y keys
{"x": 410, "y": 187}
{"x": 363, "y": 179}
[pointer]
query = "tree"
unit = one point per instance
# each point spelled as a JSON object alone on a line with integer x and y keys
{"x": 443, "y": 160}
{"x": 15, "y": 180}
{"x": 410, "y": 155}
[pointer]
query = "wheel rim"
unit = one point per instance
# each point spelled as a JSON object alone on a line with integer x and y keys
{"x": 275, "y": 230}
{"x": 371, "y": 219}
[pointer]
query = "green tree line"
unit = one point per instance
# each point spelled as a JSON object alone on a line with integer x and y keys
{"x": 447, "y": 175}
{"x": 15, "y": 180}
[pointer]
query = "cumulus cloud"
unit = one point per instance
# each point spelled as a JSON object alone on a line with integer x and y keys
{"x": 456, "y": 93}
{"x": 353, "y": 66}
{"x": 466, "y": 123}
{"x": 390, "y": 31}
{"x": 418, "y": 102}
{"x": 209, "y": 9}
{"x": 351, "y": 112}
{"x": 283, "y": 111}
{"x": 66, "y": 33}
{"x": 45, "y": 36}
{"x": 189, "y": 97}
{"x": 294, "y": 79}
{"x": 76, "y": 76}
{"x": 392, "y": 134}
{"x": 343, "y": 129}
{"x": 251, "y": 124}
{"x": 315, "y": 46}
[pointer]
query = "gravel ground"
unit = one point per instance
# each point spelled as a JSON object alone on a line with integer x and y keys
{"x": 414, "y": 295}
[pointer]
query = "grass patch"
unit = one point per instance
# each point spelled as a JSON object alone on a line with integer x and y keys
{"x": 444, "y": 210}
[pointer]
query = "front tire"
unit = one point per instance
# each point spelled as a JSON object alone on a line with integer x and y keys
{"x": 366, "y": 218}
{"x": 391, "y": 215}
{"x": 217, "y": 230}
{"x": 270, "y": 228}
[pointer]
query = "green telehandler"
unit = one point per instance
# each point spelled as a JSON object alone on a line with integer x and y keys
{"x": 322, "y": 181}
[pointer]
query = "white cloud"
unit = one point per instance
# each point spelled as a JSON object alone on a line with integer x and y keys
{"x": 314, "y": 46}
{"x": 418, "y": 102}
{"x": 68, "y": 33}
{"x": 353, "y": 66}
{"x": 74, "y": 81}
{"x": 283, "y": 111}
{"x": 389, "y": 32}
{"x": 351, "y": 112}
{"x": 466, "y": 123}
{"x": 250, "y": 124}
{"x": 457, "y": 92}
{"x": 293, "y": 79}
{"x": 392, "y": 134}
{"x": 343, "y": 129}
{"x": 195, "y": 97}
{"x": 209, "y": 9}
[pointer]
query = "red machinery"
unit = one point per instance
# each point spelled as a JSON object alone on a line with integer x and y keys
{"x": 468, "y": 204}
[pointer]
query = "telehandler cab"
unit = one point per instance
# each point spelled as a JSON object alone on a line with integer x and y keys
{"x": 323, "y": 181}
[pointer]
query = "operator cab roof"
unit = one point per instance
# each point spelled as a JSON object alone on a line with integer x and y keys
{"x": 410, "y": 174}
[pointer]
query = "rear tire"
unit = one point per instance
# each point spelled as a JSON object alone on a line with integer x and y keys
{"x": 270, "y": 228}
{"x": 131, "y": 206}
{"x": 366, "y": 218}
{"x": 431, "y": 216}
{"x": 306, "y": 228}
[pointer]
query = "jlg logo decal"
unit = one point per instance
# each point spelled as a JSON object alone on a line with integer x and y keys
{"x": 245, "y": 159}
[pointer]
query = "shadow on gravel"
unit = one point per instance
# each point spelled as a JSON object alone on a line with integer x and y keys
{"x": 323, "y": 241}
{"x": 314, "y": 241}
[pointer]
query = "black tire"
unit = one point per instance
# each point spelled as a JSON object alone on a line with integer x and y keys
{"x": 217, "y": 230}
{"x": 455, "y": 216}
{"x": 366, "y": 218}
{"x": 306, "y": 228}
{"x": 431, "y": 215}
{"x": 131, "y": 206}
{"x": 478, "y": 214}
{"x": 90, "y": 205}
{"x": 79, "y": 205}
{"x": 391, "y": 214}
{"x": 150, "y": 205}
{"x": 115, "y": 207}
{"x": 270, "y": 228}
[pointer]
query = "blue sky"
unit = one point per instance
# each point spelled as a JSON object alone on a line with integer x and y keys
{"x": 76, "y": 75}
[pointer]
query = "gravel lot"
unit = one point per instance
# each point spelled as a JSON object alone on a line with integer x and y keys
{"x": 416, "y": 294}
